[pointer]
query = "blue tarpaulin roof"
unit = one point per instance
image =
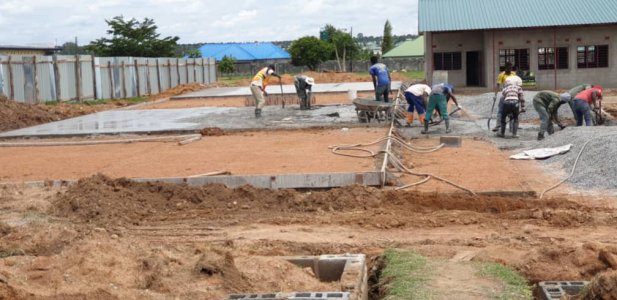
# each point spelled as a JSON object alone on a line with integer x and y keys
{"x": 451, "y": 15}
{"x": 244, "y": 51}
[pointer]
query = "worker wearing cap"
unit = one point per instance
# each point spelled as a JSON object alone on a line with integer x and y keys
{"x": 439, "y": 99}
{"x": 582, "y": 102}
{"x": 547, "y": 104}
{"x": 508, "y": 73}
{"x": 303, "y": 86}
{"x": 513, "y": 103}
{"x": 258, "y": 87}
{"x": 415, "y": 98}
{"x": 381, "y": 79}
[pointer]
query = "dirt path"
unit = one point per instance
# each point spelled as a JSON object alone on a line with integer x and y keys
{"x": 460, "y": 280}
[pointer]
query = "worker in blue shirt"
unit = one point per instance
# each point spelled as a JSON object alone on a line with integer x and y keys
{"x": 381, "y": 79}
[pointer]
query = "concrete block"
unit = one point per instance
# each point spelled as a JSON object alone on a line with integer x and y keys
{"x": 293, "y": 296}
{"x": 451, "y": 141}
{"x": 553, "y": 290}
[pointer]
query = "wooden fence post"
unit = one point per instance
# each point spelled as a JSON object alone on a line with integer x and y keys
{"x": 186, "y": 66}
{"x": 112, "y": 84}
{"x": 78, "y": 77}
{"x": 148, "y": 83}
{"x": 11, "y": 79}
{"x": 169, "y": 71}
{"x": 137, "y": 79}
{"x": 158, "y": 74}
{"x": 195, "y": 70}
{"x": 203, "y": 71}
{"x": 178, "y": 71}
{"x": 36, "y": 80}
{"x": 93, "y": 76}
{"x": 123, "y": 79}
{"x": 57, "y": 78}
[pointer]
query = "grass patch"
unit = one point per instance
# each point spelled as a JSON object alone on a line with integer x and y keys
{"x": 404, "y": 275}
{"x": 413, "y": 75}
{"x": 516, "y": 286}
{"x": 8, "y": 252}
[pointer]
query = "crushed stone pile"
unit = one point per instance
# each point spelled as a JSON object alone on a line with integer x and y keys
{"x": 597, "y": 166}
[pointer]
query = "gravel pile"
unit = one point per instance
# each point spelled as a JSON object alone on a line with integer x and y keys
{"x": 597, "y": 166}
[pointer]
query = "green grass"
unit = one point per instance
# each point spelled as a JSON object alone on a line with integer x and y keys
{"x": 413, "y": 75}
{"x": 404, "y": 275}
{"x": 516, "y": 286}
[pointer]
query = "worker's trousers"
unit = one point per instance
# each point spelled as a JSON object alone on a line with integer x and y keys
{"x": 544, "y": 118}
{"x": 382, "y": 92}
{"x": 582, "y": 110}
{"x": 509, "y": 107}
{"x": 440, "y": 102}
{"x": 260, "y": 101}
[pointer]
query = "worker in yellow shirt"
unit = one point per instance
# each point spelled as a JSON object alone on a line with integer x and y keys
{"x": 258, "y": 87}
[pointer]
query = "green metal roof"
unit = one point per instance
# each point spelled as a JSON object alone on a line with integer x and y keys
{"x": 451, "y": 15}
{"x": 413, "y": 47}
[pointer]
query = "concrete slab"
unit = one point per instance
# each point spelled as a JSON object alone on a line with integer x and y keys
{"x": 191, "y": 119}
{"x": 287, "y": 89}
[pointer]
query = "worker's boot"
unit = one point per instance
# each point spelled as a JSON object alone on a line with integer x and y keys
{"x": 425, "y": 130}
{"x": 502, "y": 132}
{"x": 496, "y": 128}
{"x": 257, "y": 112}
{"x": 409, "y": 119}
{"x": 540, "y": 136}
{"x": 514, "y": 129}
{"x": 448, "y": 126}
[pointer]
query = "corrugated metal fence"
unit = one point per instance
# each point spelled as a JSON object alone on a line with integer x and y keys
{"x": 34, "y": 79}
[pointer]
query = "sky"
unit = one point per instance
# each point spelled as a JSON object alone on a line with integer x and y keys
{"x": 54, "y": 22}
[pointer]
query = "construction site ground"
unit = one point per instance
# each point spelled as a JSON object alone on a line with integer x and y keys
{"x": 106, "y": 237}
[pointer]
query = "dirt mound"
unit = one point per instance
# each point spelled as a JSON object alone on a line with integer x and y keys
{"x": 212, "y": 131}
{"x": 178, "y": 90}
{"x": 221, "y": 264}
{"x": 602, "y": 286}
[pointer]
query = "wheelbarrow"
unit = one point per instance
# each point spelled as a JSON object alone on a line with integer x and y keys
{"x": 369, "y": 109}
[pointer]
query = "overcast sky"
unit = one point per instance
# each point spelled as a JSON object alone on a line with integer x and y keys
{"x": 51, "y": 22}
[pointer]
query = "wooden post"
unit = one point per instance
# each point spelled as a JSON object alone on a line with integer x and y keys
{"x": 57, "y": 78}
{"x": 36, "y": 80}
{"x": 93, "y": 76}
{"x": 148, "y": 84}
{"x": 11, "y": 79}
{"x": 111, "y": 81}
{"x": 186, "y": 65}
{"x": 137, "y": 76}
{"x": 169, "y": 71}
{"x": 158, "y": 74}
{"x": 195, "y": 70}
{"x": 78, "y": 77}
{"x": 203, "y": 71}
{"x": 123, "y": 79}
{"x": 178, "y": 70}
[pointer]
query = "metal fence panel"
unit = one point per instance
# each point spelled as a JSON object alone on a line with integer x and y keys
{"x": 3, "y": 81}
{"x": 46, "y": 80}
{"x": 212, "y": 70}
{"x": 86, "y": 80}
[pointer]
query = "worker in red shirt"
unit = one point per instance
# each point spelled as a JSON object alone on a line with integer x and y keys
{"x": 582, "y": 102}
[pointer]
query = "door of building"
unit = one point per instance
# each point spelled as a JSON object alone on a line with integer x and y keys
{"x": 473, "y": 68}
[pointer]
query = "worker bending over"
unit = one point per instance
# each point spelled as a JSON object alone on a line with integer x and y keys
{"x": 258, "y": 87}
{"x": 582, "y": 102}
{"x": 303, "y": 85}
{"x": 415, "y": 98}
{"x": 547, "y": 103}
{"x": 381, "y": 79}
{"x": 439, "y": 99}
{"x": 501, "y": 82}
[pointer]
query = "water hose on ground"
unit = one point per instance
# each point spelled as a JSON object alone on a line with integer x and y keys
{"x": 575, "y": 164}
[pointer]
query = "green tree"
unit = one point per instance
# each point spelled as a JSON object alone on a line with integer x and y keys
{"x": 133, "y": 38}
{"x": 309, "y": 51}
{"x": 343, "y": 45}
{"x": 387, "y": 43}
{"x": 193, "y": 53}
{"x": 227, "y": 65}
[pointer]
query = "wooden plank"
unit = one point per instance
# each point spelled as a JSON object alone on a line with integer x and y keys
{"x": 158, "y": 74}
{"x": 203, "y": 70}
{"x": 36, "y": 80}
{"x": 178, "y": 71}
{"x": 78, "y": 78}
{"x": 11, "y": 79}
{"x": 137, "y": 79}
{"x": 123, "y": 79}
{"x": 57, "y": 78}
{"x": 111, "y": 81}
{"x": 93, "y": 76}
{"x": 195, "y": 70}
{"x": 169, "y": 72}
{"x": 148, "y": 83}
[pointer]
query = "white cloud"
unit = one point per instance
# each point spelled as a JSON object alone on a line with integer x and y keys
{"x": 195, "y": 21}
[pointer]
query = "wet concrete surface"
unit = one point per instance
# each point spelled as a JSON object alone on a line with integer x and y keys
{"x": 191, "y": 119}
{"x": 287, "y": 89}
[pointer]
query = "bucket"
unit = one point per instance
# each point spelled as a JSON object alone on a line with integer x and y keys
{"x": 352, "y": 94}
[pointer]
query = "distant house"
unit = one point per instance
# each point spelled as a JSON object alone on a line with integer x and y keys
{"x": 409, "y": 49}
{"x": 28, "y": 50}
{"x": 246, "y": 52}
{"x": 562, "y": 43}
